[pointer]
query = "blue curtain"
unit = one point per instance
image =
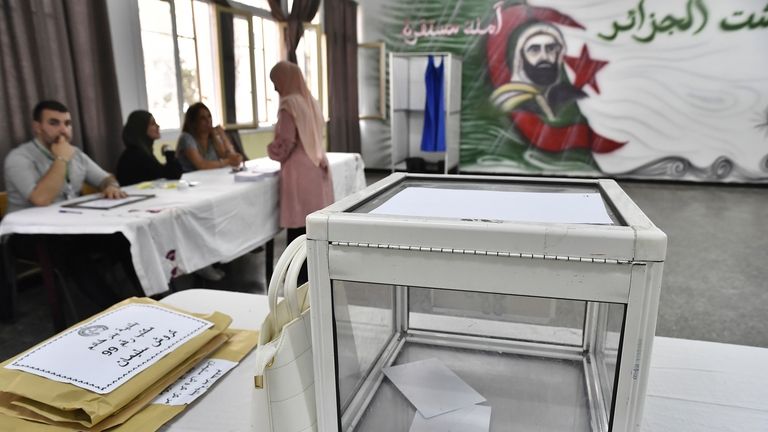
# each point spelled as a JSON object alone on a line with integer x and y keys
{"x": 433, "y": 135}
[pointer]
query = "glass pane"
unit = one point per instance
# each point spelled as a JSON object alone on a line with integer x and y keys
{"x": 364, "y": 325}
{"x": 184, "y": 18}
{"x": 189, "y": 79}
{"x": 608, "y": 356}
{"x": 547, "y": 203}
{"x": 159, "y": 64}
{"x": 531, "y": 319}
{"x": 243, "y": 88}
{"x": 272, "y": 44}
{"x": 262, "y": 74}
{"x": 307, "y": 56}
{"x": 155, "y": 16}
{"x": 206, "y": 55}
{"x": 522, "y": 354}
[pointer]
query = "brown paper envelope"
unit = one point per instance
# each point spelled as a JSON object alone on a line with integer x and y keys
{"x": 24, "y": 411}
{"x": 152, "y": 392}
{"x": 12, "y": 424}
{"x": 68, "y": 403}
{"x": 153, "y": 416}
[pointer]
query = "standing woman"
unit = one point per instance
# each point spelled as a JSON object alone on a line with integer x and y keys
{"x": 305, "y": 180}
{"x": 202, "y": 146}
{"x": 138, "y": 162}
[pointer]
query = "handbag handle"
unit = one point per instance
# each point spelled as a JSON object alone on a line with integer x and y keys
{"x": 279, "y": 278}
{"x": 292, "y": 277}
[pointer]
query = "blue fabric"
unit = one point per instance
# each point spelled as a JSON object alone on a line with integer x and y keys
{"x": 433, "y": 135}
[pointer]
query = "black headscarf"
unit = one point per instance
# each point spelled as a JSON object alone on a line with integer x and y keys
{"x": 135, "y": 130}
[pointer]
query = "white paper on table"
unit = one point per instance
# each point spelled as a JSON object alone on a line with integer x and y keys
{"x": 476, "y": 418}
{"x": 250, "y": 175}
{"x": 431, "y": 387}
{"x": 543, "y": 207}
{"x": 106, "y": 352}
{"x": 194, "y": 383}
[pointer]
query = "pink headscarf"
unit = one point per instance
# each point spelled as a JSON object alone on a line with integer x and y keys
{"x": 298, "y": 101}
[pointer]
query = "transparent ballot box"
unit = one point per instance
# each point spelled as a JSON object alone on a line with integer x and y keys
{"x": 483, "y": 304}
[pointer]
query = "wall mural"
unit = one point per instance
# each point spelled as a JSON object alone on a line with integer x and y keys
{"x": 647, "y": 89}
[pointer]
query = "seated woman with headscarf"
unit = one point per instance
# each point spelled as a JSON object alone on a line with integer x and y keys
{"x": 305, "y": 180}
{"x": 138, "y": 162}
{"x": 202, "y": 146}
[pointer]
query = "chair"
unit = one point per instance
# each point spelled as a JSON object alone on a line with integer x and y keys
{"x": 16, "y": 269}
{"x": 88, "y": 189}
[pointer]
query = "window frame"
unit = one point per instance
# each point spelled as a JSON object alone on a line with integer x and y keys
{"x": 246, "y": 12}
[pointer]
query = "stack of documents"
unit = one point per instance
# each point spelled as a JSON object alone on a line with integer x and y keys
{"x": 256, "y": 173}
{"x": 132, "y": 367}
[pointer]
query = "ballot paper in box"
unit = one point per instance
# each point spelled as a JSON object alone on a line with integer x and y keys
{"x": 101, "y": 373}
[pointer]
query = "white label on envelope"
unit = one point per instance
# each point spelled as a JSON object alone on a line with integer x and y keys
{"x": 431, "y": 387}
{"x": 195, "y": 382}
{"x": 106, "y": 352}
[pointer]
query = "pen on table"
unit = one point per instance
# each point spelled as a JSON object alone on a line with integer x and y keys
{"x": 70, "y": 211}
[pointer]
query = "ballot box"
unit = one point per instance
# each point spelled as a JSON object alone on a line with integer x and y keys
{"x": 483, "y": 303}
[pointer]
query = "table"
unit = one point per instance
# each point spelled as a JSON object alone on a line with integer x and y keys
{"x": 182, "y": 230}
{"x": 693, "y": 385}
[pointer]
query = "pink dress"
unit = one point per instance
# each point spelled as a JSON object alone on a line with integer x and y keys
{"x": 304, "y": 188}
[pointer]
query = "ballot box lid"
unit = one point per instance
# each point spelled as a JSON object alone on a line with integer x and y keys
{"x": 575, "y": 218}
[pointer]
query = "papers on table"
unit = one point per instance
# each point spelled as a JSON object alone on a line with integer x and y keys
{"x": 443, "y": 401}
{"x": 106, "y": 204}
{"x": 255, "y": 172}
{"x": 431, "y": 387}
{"x": 563, "y": 207}
{"x": 195, "y": 382}
{"x": 103, "y": 354}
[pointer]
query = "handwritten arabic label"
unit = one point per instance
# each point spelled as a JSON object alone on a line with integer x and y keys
{"x": 431, "y": 28}
{"x": 103, "y": 354}
{"x": 645, "y": 26}
{"x": 195, "y": 382}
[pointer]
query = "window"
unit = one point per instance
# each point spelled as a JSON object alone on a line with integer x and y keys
{"x": 308, "y": 55}
{"x": 181, "y": 42}
{"x": 266, "y": 38}
{"x": 179, "y": 55}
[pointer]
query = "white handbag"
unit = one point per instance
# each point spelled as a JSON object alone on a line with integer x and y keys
{"x": 284, "y": 354}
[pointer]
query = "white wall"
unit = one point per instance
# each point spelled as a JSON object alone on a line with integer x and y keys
{"x": 375, "y": 134}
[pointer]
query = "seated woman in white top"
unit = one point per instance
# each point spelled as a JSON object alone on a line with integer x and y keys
{"x": 202, "y": 146}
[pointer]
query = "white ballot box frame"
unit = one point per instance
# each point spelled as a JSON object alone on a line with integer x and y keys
{"x": 601, "y": 264}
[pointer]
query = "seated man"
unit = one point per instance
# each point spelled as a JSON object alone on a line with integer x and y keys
{"x": 48, "y": 168}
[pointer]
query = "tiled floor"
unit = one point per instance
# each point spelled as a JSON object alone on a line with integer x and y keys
{"x": 714, "y": 285}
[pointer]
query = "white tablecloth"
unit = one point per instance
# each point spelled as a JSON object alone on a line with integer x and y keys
{"x": 180, "y": 231}
{"x": 693, "y": 386}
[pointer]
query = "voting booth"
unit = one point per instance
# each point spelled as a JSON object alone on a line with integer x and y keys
{"x": 489, "y": 303}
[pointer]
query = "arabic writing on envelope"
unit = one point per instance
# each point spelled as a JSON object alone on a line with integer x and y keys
{"x": 195, "y": 382}
{"x": 106, "y": 352}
